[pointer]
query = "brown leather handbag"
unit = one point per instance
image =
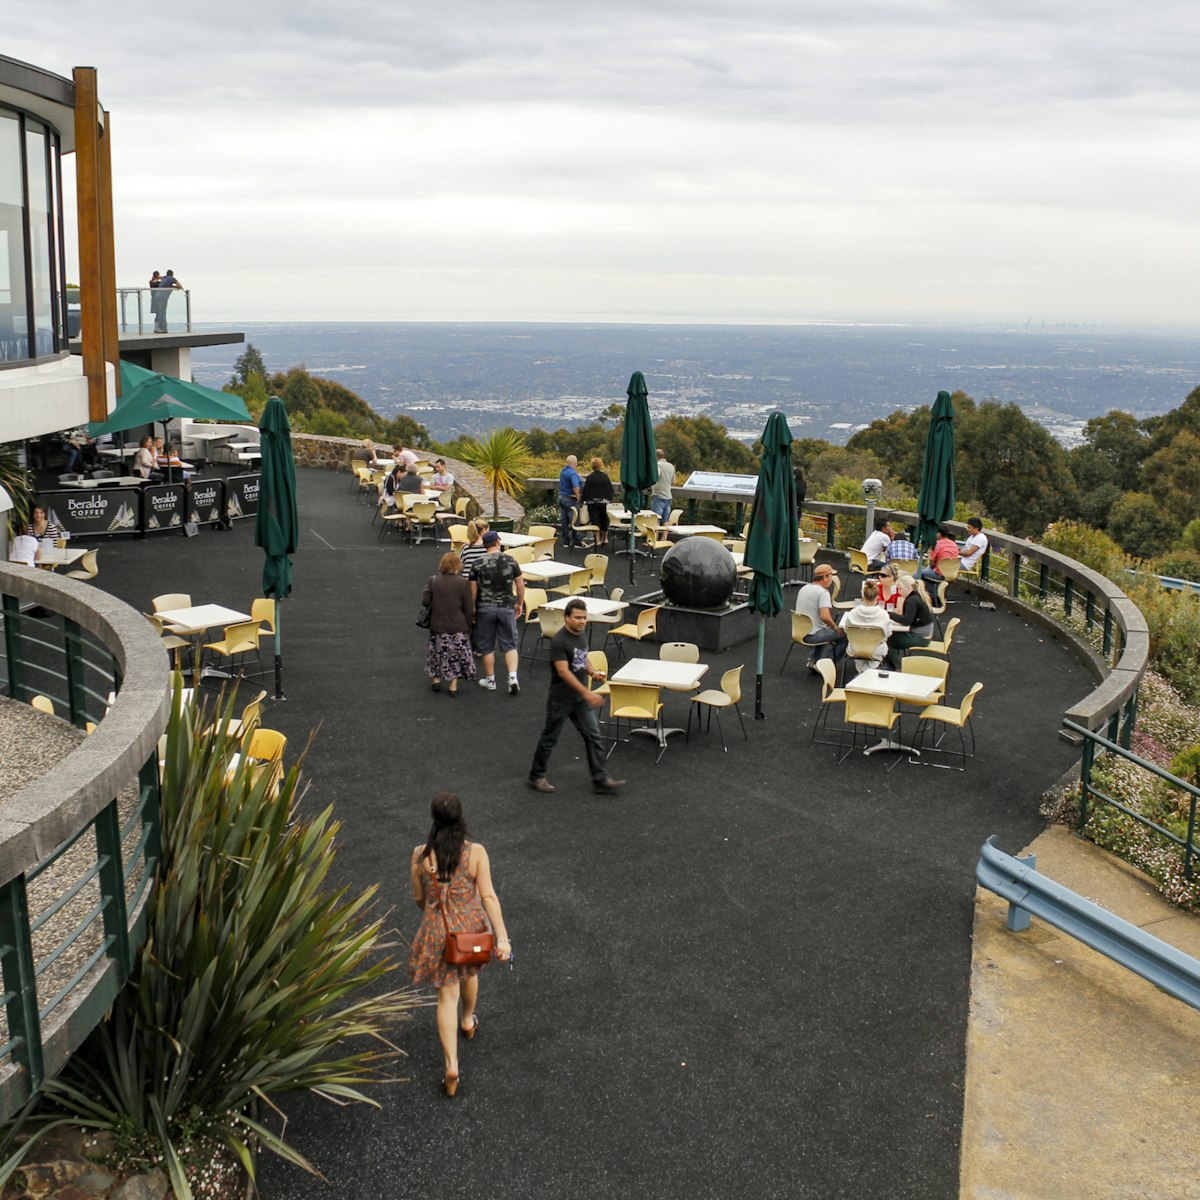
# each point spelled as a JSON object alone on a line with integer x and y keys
{"x": 466, "y": 949}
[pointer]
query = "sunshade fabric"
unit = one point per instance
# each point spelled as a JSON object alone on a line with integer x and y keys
{"x": 773, "y": 541}
{"x": 147, "y": 396}
{"x": 935, "y": 504}
{"x": 277, "y": 523}
{"x": 639, "y": 461}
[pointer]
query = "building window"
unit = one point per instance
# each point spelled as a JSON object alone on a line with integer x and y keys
{"x": 32, "y": 311}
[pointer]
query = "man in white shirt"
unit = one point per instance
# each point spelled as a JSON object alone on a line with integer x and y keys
{"x": 974, "y": 548}
{"x": 876, "y": 546}
{"x": 814, "y": 601}
{"x": 660, "y": 494}
{"x": 25, "y": 549}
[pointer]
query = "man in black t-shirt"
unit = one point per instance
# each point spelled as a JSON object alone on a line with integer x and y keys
{"x": 571, "y": 699}
{"x": 499, "y": 593}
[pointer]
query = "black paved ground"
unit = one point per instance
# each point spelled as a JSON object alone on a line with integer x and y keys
{"x": 746, "y": 976}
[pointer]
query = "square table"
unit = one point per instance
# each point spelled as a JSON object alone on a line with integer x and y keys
{"x": 114, "y": 481}
{"x": 509, "y": 541}
{"x": 898, "y": 686}
{"x": 58, "y": 556}
{"x": 548, "y": 571}
{"x": 710, "y": 531}
{"x": 654, "y": 672}
{"x": 196, "y": 621}
{"x": 599, "y": 611}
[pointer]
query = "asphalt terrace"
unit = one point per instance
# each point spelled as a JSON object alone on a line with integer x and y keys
{"x": 748, "y": 974}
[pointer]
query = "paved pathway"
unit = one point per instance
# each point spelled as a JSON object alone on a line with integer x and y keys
{"x": 748, "y": 975}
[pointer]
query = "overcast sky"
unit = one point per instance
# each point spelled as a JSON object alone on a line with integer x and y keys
{"x": 764, "y": 160}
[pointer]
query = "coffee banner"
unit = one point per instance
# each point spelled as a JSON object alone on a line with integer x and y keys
{"x": 241, "y": 496}
{"x": 206, "y": 501}
{"x": 163, "y": 506}
{"x": 94, "y": 512}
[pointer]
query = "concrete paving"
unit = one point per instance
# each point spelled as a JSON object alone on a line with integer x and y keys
{"x": 747, "y": 975}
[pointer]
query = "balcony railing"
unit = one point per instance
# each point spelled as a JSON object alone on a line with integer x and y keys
{"x": 154, "y": 310}
{"x": 79, "y": 846}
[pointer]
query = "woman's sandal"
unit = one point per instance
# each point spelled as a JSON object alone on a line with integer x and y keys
{"x": 436, "y": 686}
{"x": 450, "y": 1084}
{"x": 469, "y": 1034}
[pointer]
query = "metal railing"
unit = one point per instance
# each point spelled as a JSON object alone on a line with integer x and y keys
{"x": 1093, "y": 742}
{"x": 79, "y": 845}
{"x": 1030, "y": 894}
{"x": 1106, "y": 626}
{"x": 146, "y": 310}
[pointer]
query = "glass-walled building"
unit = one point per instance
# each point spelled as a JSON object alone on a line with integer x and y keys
{"x": 43, "y": 387}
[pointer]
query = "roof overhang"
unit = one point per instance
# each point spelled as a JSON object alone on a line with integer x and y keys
{"x": 44, "y": 94}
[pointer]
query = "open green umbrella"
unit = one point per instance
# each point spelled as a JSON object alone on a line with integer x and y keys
{"x": 147, "y": 396}
{"x": 773, "y": 543}
{"x": 277, "y": 525}
{"x": 935, "y": 504}
{"x": 639, "y": 459}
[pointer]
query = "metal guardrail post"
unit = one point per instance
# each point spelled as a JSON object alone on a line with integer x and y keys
{"x": 1043, "y": 581}
{"x": 1108, "y": 632}
{"x": 1068, "y": 595}
{"x": 1090, "y": 612}
{"x": 149, "y": 786}
{"x": 12, "y": 647}
{"x": 1085, "y": 779}
{"x": 112, "y": 888}
{"x": 1014, "y": 575}
{"x": 76, "y": 696}
{"x": 1019, "y": 918}
{"x": 831, "y": 530}
{"x": 20, "y": 982}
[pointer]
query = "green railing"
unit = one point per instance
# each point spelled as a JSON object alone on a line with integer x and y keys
{"x": 1093, "y": 742}
{"x": 79, "y": 845}
{"x": 1063, "y": 595}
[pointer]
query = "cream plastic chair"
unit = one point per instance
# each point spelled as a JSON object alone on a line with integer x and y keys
{"x": 238, "y": 727}
{"x": 462, "y": 507}
{"x": 636, "y": 702}
{"x": 618, "y": 593}
{"x": 802, "y": 626}
{"x": 598, "y": 661}
{"x": 582, "y": 525}
{"x": 172, "y": 643}
{"x": 521, "y": 554}
{"x": 831, "y": 694}
{"x": 931, "y": 668}
{"x": 263, "y": 611}
{"x": 597, "y": 564}
{"x": 943, "y": 647}
{"x": 534, "y": 599}
{"x": 959, "y": 718}
{"x": 910, "y": 566}
{"x": 424, "y": 514}
{"x": 547, "y": 535}
{"x": 578, "y": 583}
{"x": 458, "y": 537}
{"x": 729, "y": 696}
{"x": 42, "y": 704}
{"x": 646, "y": 626}
{"x": 265, "y": 750}
{"x": 859, "y": 564}
{"x": 937, "y": 604}
{"x": 87, "y": 567}
{"x": 866, "y": 712}
{"x": 865, "y": 642}
{"x": 684, "y": 652}
{"x": 808, "y": 555}
{"x": 170, "y": 600}
{"x": 550, "y": 621}
{"x": 365, "y": 483}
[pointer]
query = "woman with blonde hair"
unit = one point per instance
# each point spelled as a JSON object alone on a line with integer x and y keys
{"x": 869, "y": 612}
{"x": 452, "y": 885}
{"x": 474, "y": 549}
{"x": 448, "y": 595}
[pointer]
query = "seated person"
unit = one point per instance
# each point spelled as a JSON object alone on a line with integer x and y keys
{"x": 869, "y": 612}
{"x": 145, "y": 462}
{"x": 917, "y": 617}
{"x": 167, "y": 457}
{"x": 876, "y": 546}
{"x": 43, "y": 525}
{"x": 364, "y": 455}
{"x": 25, "y": 549}
{"x": 409, "y": 480}
{"x": 903, "y": 547}
{"x": 391, "y": 485}
{"x": 889, "y": 596}
{"x": 441, "y": 478}
{"x": 975, "y": 547}
{"x": 72, "y": 457}
{"x": 945, "y": 547}
{"x": 407, "y": 457}
{"x": 813, "y": 599}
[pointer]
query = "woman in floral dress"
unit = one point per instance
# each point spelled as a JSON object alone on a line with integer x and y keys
{"x": 451, "y": 612}
{"x": 452, "y": 885}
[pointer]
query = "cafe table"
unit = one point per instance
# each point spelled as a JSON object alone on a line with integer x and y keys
{"x": 599, "y": 611}
{"x": 708, "y": 531}
{"x": 897, "y": 685}
{"x": 115, "y": 481}
{"x": 509, "y": 541}
{"x": 196, "y": 621}
{"x": 61, "y": 556}
{"x": 548, "y": 571}
{"x": 654, "y": 672}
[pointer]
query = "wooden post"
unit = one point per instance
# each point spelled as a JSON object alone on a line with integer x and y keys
{"x": 93, "y": 186}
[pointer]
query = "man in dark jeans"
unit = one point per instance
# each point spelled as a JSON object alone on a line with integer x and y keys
{"x": 571, "y": 699}
{"x": 498, "y": 592}
{"x": 570, "y": 488}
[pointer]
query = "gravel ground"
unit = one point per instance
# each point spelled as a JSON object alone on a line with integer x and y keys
{"x": 31, "y": 743}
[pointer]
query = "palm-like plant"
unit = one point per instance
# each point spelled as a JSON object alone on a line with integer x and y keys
{"x": 15, "y": 480}
{"x": 504, "y": 459}
{"x": 253, "y": 973}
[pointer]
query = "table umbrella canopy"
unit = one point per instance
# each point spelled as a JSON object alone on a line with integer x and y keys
{"x": 639, "y": 461}
{"x": 935, "y": 505}
{"x": 773, "y": 541}
{"x": 277, "y": 524}
{"x": 147, "y": 396}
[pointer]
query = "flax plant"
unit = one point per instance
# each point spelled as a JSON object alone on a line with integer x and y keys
{"x": 254, "y": 974}
{"x": 503, "y": 458}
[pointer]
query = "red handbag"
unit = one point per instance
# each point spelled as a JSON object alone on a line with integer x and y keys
{"x": 467, "y": 949}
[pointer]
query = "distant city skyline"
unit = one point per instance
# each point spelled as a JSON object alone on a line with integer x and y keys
{"x": 767, "y": 162}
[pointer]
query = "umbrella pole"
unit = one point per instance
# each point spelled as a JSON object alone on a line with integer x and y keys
{"x": 279, "y": 650}
{"x": 759, "y": 715}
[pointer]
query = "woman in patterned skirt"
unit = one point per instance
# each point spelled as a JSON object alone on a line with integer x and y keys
{"x": 451, "y": 612}
{"x": 452, "y": 885}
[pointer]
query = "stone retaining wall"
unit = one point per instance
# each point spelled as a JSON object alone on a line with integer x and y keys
{"x": 335, "y": 454}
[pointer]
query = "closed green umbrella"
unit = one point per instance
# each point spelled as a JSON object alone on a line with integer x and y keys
{"x": 773, "y": 544}
{"x": 935, "y": 505}
{"x": 277, "y": 525}
{"x": 639, "y": 459}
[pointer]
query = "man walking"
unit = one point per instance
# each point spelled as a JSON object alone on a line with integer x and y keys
{"x": 571, "y": 699}
{"x": 570, "y": 489}
{"x": 498, "y": 592}
{"x": 660, "y": 494}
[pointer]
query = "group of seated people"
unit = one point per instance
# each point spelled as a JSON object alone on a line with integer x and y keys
{"x": 887, "y": 544}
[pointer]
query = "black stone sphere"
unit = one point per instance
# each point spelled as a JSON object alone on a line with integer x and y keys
{"x": 698, "y": 572}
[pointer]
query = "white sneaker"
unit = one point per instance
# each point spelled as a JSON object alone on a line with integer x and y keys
{"x": 514, "y": 686}
{"x": 488, "y": 682}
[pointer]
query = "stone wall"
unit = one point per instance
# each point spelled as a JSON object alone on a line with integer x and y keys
{"x": 334, "y": 454}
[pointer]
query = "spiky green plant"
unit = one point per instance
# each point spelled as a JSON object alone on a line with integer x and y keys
{"x": 253, "y": 975}
{"x": 16, "y": 481}
{"x": 503, "y": 458}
